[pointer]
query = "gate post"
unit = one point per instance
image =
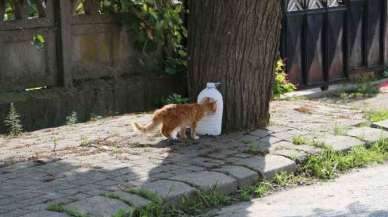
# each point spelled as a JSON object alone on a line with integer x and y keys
{"x": 2, "y": 10}
{"x": 65, "y": 17}
{"x": 384, "y": 36}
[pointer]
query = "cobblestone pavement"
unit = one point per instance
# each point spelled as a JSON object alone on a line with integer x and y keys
{"x": 82, "y": 161}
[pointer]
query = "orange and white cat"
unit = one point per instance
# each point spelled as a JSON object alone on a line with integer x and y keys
{"x": 175, "y": 119}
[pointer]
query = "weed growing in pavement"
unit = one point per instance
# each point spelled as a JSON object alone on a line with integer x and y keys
{"x": 299, "y": 140}
{"x": 377, "y": 115}
{"x": 13, "y": 122}
{"x": 340, "y": 130}
{"x": 362, "y": 90}
{"x": 61, "y": 208}
{"x": 72, "y": 119}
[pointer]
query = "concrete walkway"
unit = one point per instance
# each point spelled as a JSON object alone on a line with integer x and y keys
{"x": 359, "y": 194}
{"x": 74, "y": 165}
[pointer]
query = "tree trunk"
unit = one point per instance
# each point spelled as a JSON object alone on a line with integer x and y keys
{"x": 235, "y": 42}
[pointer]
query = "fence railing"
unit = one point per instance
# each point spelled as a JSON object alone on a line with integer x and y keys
{"x": 324, "y": 41}
{"x": 80, "y": 41}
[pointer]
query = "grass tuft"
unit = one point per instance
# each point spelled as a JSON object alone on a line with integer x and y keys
{"x": 340, "y": 130}
{"x": 377, "y": 115}
{"x": 362, "y": 90}
{"x": 329, "y": 163}
{"x": 194, "y": 205}
{"x": 300, "y": 140}
{"x": 146, "y": 194}
{"x": 62, "y": 209}
{"x": 72, "y": 118}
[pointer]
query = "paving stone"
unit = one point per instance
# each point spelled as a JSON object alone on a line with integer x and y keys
{"x": 291, "y": 151}
{"x": 15, "y": 213}
{"x": 248, "y": 139}
{"x": 266, "y": 143}
{"x": 98, "y": 206}
{"x": 292, "y": 154}
{"x": 381, "y": 125}
{"x": 244, "y": 176}
{"x": 46, "y": 214}
{"x": 311, "y": 150}
{"x": 169, "y": 190}
{"x": 370, "y": 135}
{"x": 342, "y": 143}
{"x": 267, "y": 166}
{"x": 288, "y": 135}
{"x": 263, "y": 145}
{"x": 205, "y": 162}
{"x": 132, "y": 199}
{"x": 207, "y": 180}
{"x": 260, "y": 133}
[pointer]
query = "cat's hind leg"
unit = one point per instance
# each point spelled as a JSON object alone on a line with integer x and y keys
{"x": 170, "y": 132}
{"x": 174, "y": 133}
{"x": 166, "y": 131}
{"x": 182, "y": 133}
{"x": 193, "y": 131}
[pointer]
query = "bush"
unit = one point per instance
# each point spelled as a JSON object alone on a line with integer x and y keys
{"x": 282, "y": 85}
{"x": 174, "y": 99}
{"x": 160, "y": 31}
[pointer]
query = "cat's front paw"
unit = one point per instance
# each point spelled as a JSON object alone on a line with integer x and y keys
{"x": 196, "y": 137}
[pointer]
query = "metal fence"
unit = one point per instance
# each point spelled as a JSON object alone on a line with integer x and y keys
{"x": 324, "y": 41}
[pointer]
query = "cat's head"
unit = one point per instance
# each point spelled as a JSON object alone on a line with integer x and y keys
{"x": 210, "y": 104}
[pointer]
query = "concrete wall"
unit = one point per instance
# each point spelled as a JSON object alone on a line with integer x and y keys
{"x": 50, "y": 107}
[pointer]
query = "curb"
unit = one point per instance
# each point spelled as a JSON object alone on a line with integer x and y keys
{"x": 318, "y": 93}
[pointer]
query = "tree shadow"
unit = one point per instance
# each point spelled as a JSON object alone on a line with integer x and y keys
{"x": 30, "y": 185}
{"x": 239, "y": 151}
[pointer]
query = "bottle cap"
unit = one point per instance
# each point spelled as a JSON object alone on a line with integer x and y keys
{"x": 212, "y": 84}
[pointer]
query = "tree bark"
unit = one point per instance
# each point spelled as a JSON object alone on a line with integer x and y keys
{"x": 235, "y": 42}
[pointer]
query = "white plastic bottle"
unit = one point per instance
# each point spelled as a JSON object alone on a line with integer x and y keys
{"x": 211, "y": 124}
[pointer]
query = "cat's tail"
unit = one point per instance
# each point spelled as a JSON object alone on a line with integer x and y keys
{"x": 149, "y": 127}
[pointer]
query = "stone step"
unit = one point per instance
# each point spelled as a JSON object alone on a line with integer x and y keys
{"x": 381, "y": 125}
{"x": 342, "y": 143}
{"x": 169, "y": 190}
{"x": 244, "y": 176}
{"x": 99, "y": 206}
{"x": 207, "y": 180}
{"x": 132, "y": 199}
{"x": 267, "y": 166}
{"x": 368, "y": 134}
